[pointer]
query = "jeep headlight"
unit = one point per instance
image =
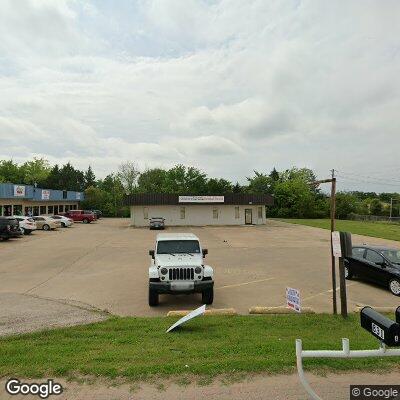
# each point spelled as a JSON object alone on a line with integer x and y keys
{"x": 197, "y": 270}
{"x": 164, "y": 271}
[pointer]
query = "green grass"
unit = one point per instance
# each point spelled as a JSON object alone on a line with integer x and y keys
{"x": 139, "y": 348}
{"x": 375, "y": 229}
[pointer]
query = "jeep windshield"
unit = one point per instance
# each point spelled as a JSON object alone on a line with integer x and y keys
{"x": 178, "y": 247}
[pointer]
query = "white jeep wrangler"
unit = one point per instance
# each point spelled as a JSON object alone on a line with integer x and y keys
{"x": 177, "y": 268}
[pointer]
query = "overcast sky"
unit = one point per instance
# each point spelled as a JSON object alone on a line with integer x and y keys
{"x": 226, "y": 86}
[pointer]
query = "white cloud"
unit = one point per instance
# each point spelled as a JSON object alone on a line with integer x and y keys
{"x": 228, "y": 86}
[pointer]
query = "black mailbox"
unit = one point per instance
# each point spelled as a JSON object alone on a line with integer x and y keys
{"x": 398, "y": 315}
{"x": 383, "y": 328}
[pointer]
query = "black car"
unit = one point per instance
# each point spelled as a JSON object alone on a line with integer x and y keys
{"x": 376, "y": 264}
{"x": 157, "y": 223}
{"x": 97, "y": 213}
{"x": 9, "y": 228}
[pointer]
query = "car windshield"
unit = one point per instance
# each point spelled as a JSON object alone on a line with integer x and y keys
{"x": 392, "y": 255}
{"x": 178, "y": 246}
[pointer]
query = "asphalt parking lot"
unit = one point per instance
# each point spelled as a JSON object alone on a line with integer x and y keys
{"x": 104, "y": 265}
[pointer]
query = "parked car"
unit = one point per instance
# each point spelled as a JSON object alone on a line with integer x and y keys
{"x": 98, "y": 213}
{"x": 177, "y": 267}
{"x": 26, "y": 224}
{"x": 9, "y": 228}
{"x": 376, "y": 264}
{"x": 65, "y": 222}
{"x": 157, "y": 223}
{"x": 46, "y": 223}
{"x": 80, "y": 215}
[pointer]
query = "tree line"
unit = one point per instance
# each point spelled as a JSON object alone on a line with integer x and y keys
{"x": 295, "y": 194}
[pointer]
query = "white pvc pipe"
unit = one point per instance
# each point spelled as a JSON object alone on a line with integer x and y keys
{"x": 344, "y": 353}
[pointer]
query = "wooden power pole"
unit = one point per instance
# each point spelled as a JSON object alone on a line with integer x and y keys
{"x": 332, "y": 180}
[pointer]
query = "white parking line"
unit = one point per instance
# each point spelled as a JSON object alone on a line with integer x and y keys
{"x": 244, "y": 283}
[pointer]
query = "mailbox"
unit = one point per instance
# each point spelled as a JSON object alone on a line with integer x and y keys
{"x": 398, "y": 315}
{"x": 383, "y": 328}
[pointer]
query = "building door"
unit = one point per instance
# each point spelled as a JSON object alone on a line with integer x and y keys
{"x": 248, "y": 216}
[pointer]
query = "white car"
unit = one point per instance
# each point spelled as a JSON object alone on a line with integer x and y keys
{"x": 177, "y": 267}
{"x": 64, "y": 221}
{"x": 26, "y": 224}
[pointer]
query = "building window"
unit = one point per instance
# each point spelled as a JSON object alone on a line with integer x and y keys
{"x": 260, "y": 212}
{"x": 145, "y": 213}
{"x": 237, "y": 215}
{"x": 1, "y": 211}
{"x": 61, "y": 208}
{"x": 66, "y": 208}
{"x": 183, "y": 213}
{"x": 215, "y": 213}
{"x": 42, "y": 210}
{"x": 50, "y": 209}
{"x": 36, "y": 211}
{"x": 17, "y": 209}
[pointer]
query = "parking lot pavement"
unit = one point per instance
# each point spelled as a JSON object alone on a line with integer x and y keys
{"x": 104, "y": 264}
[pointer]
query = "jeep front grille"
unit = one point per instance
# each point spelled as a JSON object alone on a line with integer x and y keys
{"x": 181, "y": 274}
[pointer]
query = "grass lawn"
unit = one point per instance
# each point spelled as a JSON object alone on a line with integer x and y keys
{"x": 139, "y": 348}
{"x": 375, "y": 229}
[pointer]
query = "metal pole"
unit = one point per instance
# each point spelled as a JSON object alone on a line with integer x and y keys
{"x": 333, "y": 226}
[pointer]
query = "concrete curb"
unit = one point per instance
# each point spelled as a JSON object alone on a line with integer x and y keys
{"x": 278, "y": 310}
{"x": 215, "y": 311}
{"x": 378, "y": 309}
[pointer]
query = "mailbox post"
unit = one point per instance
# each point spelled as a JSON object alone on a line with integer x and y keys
{"x": 381, "y": 327}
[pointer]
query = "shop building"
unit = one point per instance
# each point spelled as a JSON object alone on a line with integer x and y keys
{"x": 29, "y": 200}
{"x": 229, "y": 209}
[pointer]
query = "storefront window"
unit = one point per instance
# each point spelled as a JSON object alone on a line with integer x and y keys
{"x": 35, "y": 211}
{"x": 42, "y": 210}
{"x": 1, "y": 211}
{"x": 61, "y": 208}
{"x": 7, "y": 210}
{"x": 50, "y": 209}
{"x": 67, "y": 208}
{"x": 18, "y": 209}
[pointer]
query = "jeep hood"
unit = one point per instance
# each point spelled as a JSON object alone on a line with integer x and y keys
{"x": 178, "y": 260}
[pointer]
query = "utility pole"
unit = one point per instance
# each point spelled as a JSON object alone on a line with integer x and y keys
{"x": 391, "y": 209}
{"x": 332, "y": 180}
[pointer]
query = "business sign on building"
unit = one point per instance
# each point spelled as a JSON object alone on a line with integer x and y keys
{"x": 78, "y": 196}
{"x": 293, "y": 299}
{"x": 201, "y": 199}
{"x": 19, "y": 191}
{"x": 45, "y": 194}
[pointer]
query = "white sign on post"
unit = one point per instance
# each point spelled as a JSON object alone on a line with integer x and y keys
{"x": 192, "y": 314}
{"x": 293, "y": 299}
{"x": 336, "y": 247}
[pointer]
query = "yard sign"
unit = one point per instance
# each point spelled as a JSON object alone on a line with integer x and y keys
{"x": 293, "y": 299}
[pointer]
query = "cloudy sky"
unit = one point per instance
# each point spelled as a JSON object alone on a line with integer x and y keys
{"x": 227, "y": 86}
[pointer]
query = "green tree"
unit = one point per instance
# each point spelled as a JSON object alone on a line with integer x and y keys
{"x": 218, "y": 186}
{"x": 346, "y": 204}
{"x": 181, "y": 179}
{"x": 237, "y": 188}
{"x": 375, "y": 207}
{"x": 90, "y": 177}
{"x": 11, "y": 172}
{"x": 260, "y": 183}
{"x": 128, "y": 174}
{"x": 152, "y": 181}
{"x": 36, "y": 171}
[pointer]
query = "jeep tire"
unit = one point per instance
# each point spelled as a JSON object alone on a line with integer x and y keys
{"x": 207, "y": 296}
{"x": 153, "y": 298}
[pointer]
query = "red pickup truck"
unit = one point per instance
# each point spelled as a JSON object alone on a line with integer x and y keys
{"x": 80, "y": 215}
